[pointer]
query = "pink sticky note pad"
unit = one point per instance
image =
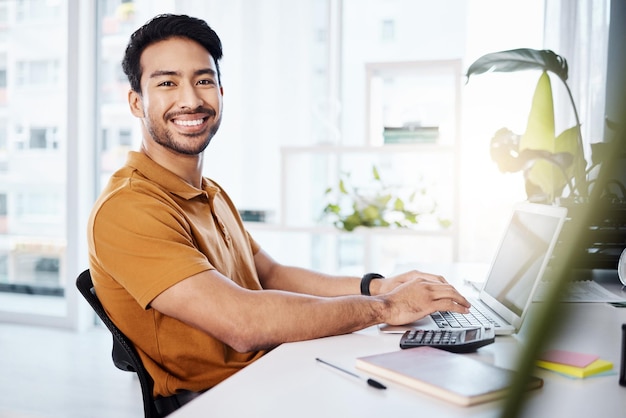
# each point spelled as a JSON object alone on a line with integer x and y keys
{"x": 569, "y": 357}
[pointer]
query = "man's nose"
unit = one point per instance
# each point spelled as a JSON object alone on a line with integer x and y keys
{"x": 189, "y": 97}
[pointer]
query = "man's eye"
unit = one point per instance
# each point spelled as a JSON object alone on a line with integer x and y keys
{"x": 166, "y": 84}
{"x": 206, "y": 82}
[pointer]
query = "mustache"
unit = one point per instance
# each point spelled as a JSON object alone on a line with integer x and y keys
{"x": 204, "y": 110}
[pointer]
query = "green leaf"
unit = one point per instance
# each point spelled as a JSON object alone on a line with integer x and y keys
{"x": 370, "y": 213}
{"x": 383, "y": 200}
{"x": 552, "y": 171}
{"x": 375, "y": 173}
{"x": 539, "y": 137}
{"x": 539, "y": 133}
{"x": 332, "y": 208}
{"x": 398, "y": 204}
{"x": 567, "y": 141}
{"x": 519, "y": 60}
{"x": 547, "y": 174}
{"x": 600, "y": 151}
{"x": 411, "y": 217}
{"x": 342, "y": 187}
{"x": 445, "y": 223}
{"x": 351, "y": 222}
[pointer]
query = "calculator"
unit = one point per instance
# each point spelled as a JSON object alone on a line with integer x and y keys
{"x": 456, "y": 341}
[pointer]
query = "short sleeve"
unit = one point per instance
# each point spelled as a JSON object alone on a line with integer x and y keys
{"x": 144, "y": 243}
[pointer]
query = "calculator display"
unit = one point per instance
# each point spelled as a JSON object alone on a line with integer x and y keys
{"x": 471, "y": 334}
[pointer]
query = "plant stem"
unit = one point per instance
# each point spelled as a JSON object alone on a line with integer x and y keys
{"x": 580, "y": 178}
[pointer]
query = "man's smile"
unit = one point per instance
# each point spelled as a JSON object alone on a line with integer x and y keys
{"x": 191, "y": 122}
{"x": 188, "y": 122}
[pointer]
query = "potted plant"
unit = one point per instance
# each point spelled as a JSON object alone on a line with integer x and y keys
{"x": 377, "y": 204}
{"x": 551, "y": 163}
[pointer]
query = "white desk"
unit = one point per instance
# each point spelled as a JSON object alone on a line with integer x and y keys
{"x": 288, "y": 382}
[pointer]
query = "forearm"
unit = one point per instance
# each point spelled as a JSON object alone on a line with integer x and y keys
{"x": 273, "y": 275}
{"x": 298, "y": 280}
{"x": 270, "y": 317}
{"x": 282, "y": 317}
{"x": 250, "y": 319}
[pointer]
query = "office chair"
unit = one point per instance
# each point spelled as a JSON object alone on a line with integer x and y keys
{"x": 124, "y": 355}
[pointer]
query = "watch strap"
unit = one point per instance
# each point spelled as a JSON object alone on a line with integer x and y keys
{"x": 366, "y": 280}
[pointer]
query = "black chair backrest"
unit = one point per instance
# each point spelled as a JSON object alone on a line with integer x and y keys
{"x": 124, "y": 355}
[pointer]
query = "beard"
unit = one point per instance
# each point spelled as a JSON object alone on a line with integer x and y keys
{"x": 165, "y": 137}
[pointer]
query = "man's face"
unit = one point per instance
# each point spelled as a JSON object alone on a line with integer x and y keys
{"x": 181, "y": 100}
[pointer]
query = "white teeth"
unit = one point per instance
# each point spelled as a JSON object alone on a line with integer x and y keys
{"x": 188, "y": 122}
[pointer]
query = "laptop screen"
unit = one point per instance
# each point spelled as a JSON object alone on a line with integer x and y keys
{"x": 520, "y": 258}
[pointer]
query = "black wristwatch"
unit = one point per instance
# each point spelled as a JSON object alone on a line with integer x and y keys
{"x": 366, "y": 280}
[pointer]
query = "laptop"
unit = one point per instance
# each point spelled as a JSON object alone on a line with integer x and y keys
{"x": 514, "y": 274}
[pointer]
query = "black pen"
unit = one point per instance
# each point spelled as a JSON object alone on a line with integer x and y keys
{"x": 373, "y": 383}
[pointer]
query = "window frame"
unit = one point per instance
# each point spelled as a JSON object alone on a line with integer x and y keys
{"x": 80, "y": 175}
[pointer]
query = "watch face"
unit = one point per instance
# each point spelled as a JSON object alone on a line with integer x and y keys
{"x": 621, "y": 267}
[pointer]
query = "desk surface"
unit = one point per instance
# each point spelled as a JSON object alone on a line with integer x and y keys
{"x": 288, "y": 382}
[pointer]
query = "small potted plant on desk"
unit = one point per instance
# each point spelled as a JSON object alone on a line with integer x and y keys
{"x": 377, "y": 204}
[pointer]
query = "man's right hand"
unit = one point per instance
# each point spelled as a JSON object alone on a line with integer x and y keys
{"x": 415, "y": 295}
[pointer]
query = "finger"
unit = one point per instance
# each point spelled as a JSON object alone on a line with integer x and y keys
{"x": 431, "y": 277}
{"x": 449, "y": 293}
{"x": 459, "y": 303}
{"x": 451, "y": 305}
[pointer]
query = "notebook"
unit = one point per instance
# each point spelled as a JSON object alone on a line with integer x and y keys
{"x": 449, "y": 376}
{"x": 515, "y": 272}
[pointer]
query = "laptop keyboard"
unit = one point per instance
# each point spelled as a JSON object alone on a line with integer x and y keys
{"x": 475, "y": 318}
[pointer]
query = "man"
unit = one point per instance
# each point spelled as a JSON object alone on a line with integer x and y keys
{"x": 169, "y": 255}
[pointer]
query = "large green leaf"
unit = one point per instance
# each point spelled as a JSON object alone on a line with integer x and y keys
{"x": 518, "y": 60}
{"x": 551, "y": 174}
{"x": 539, "y": 133}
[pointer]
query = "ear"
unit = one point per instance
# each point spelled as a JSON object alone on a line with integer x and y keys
{"x": 222, "y": 90}
{"x": 136, "y": 104}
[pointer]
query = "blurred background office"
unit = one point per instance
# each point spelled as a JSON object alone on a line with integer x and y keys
{"x": 313, "y": 89}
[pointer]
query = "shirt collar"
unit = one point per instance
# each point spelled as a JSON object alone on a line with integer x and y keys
{"x": 168, "y": 180}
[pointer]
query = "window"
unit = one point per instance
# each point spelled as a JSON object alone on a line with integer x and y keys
{"x": 37, "y": 73}
{"x": 37, "y": 138}
{"x": 38, "y": 10}
{"x": 4, "y": 267}
{"x": 4, "y": 14}
{"x": 388, "y": 30}
{"x": 3, "y": 204}
{"x": 3, "y": 134}
{"x": 33, "y": 170}
{"x": 126, "y": 137}
{"x": 38, "y": 204}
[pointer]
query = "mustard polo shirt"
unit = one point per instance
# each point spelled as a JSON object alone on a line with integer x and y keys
{"x": 149, "y": 230}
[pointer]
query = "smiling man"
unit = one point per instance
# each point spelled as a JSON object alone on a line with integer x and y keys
{"x": 169, "y": 255}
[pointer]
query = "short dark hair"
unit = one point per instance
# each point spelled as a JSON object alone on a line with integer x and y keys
{"x": 160, "y": 28}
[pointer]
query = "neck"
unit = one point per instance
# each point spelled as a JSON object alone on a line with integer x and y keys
{"x": 187, "y": 167}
